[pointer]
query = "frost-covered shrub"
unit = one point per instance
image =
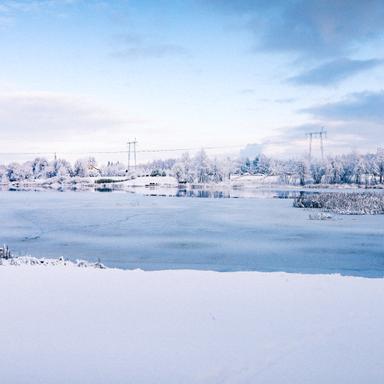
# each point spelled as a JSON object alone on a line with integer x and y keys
{"x": 344, "y": 203}
{"x": 5, "y": 253}
{"x": 7, "y": 259}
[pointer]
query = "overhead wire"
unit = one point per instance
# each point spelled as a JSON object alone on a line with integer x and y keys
{"x": 117, "y": 151}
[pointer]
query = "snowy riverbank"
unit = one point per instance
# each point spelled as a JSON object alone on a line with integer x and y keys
{"x": 46, "y": 262}
{"x": 83, "y": 325}
{"x": 239, "y": 185}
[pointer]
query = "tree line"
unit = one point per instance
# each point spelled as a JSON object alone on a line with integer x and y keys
{"x": 350, "y": 168}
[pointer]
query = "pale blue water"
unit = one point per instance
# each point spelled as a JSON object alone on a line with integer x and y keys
{"x": 132, "y": 231}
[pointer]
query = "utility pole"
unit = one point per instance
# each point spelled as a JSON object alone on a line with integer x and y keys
{"x": 129, "y": 155}
{"x": 321, "y": 135}
{"x": 133, "y": 143}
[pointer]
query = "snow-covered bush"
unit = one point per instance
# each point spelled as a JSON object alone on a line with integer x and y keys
{"x": 343, "y": 202}
{"x": 43, "y": 262}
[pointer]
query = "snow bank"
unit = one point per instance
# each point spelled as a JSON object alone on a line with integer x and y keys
{"x": 74, "y": 325}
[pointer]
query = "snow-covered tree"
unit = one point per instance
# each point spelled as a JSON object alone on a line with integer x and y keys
{"x": 379, "y": 165}
{"x": 183, "y": 169}
{"x": 16, "y": 172}
{"x": 62, "y": 168}
{"x": 262, "y": 165}
{"x": 217, "y": 171}
{"x": 202, "y": 166}
{"x": 228, "y": 167}
{"x": 39, "y": 166}
{"x": 246, "y": 167}
{"x": 113, "y": 169}
{"x": 317, "y": 170}
{"x": 80, "y": 168}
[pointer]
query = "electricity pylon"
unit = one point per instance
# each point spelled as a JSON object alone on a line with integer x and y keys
{"x": 321, "y": 135}
{"x": 133, "y": 143}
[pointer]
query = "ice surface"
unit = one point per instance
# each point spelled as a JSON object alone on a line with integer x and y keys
{"x": 90, "y": 326}
{"x": 132, "y": 231}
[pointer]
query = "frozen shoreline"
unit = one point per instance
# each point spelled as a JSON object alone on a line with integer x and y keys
{"x": 169, "y": 183}
{"x": 48, "y": 262}
{"x": 85, "y": 325}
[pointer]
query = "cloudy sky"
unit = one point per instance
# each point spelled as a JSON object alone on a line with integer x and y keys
{"x": 86, "y": 75}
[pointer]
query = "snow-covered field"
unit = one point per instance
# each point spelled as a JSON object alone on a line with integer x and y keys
{"x": 70, "y": 325}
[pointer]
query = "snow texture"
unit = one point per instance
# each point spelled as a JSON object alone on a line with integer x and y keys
{"x": 83, "y": 326}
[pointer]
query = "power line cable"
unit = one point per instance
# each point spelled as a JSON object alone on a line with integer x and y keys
{"x": 119, "y": 151}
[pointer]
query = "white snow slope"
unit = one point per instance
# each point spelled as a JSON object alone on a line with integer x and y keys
{"x": 71, "y": 325}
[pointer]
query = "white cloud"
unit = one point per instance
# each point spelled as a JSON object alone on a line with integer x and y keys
{"x": 38, "y": 114}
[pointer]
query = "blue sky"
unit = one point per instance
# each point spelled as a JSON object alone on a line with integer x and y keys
{"x": 82, "y": 75}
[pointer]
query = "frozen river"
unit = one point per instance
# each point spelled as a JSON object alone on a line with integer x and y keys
{"x": 132, "y": 231}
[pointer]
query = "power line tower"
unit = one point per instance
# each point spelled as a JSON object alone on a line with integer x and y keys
{"x": 133, "y": 144}
{"x": 321, "y": 135}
